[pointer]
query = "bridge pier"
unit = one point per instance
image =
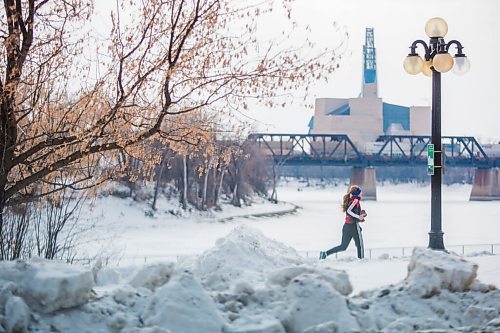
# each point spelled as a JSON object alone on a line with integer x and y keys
{"x": 365, "y": 178}
{"x": 486, "y": 185}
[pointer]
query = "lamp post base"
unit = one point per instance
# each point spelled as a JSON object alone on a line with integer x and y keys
{"x": 436, "y": 240}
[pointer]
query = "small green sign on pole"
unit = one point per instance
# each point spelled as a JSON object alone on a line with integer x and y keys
{"x": 430, "y": 159}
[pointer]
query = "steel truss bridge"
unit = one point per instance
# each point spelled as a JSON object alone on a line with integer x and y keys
{"x": 397, "y": 150}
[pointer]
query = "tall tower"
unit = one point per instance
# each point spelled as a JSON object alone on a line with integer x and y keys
{"x": 369, "y": 66}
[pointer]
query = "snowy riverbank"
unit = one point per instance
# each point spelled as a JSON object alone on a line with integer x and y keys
{"x": 245, "y": 283}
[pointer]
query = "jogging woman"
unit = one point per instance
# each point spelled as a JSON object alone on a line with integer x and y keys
{"x": 351, "y": 229}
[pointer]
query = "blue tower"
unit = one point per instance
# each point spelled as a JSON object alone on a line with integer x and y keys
{"x": 369, "y": 66}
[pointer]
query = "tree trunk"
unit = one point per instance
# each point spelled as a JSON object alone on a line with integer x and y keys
{"x": 274, "y": 195}
{"x": 157, "y": 185}
{"x": 236, "y": 199}
{"x": 236, "y": 178}
{"x": 213, "y": 191}
{"x": 2, "y": 240}
{"x": 218, "y": 187}
{"x": 185, "y": 184}
{"x": 205, "y": 186}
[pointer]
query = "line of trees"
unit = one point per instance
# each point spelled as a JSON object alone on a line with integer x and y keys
{"x": 235, "y": 170}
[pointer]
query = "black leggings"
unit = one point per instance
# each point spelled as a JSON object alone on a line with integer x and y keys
{"x": 350, "y": 231}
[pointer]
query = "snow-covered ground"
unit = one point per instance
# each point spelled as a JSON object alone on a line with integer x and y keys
{"x": 398, "y": 221}
{"x": 245, "y": 283}
{"x": 190, "y": 272}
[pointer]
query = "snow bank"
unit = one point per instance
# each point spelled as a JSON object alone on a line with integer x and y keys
{"x": 339, "y": 280}
{"x": 263, "y": 286}
{"x": 440, "y": 294}
{"x": 183, "y": 306}
{"x": 313, "y": 301}
{"x": 430, "y": 271}
{"x": 243, "y": 255}
{"x": 106, "y": 276}
{"x": 17, "y": 314}
{"x": 246, "y": 283}
{"x": 47, "y": 286}
{"x": 152, "y": 276}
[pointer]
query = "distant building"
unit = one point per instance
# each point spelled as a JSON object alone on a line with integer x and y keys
{"x": 366, "y": 117}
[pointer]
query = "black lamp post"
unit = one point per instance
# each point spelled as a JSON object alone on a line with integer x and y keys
{"x": 437, "y": 61}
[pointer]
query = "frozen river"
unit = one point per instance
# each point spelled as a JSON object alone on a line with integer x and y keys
{"x": 397, "y": 221}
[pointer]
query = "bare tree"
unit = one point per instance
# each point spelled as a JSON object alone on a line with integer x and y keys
{"x": 53, "y": 225}
{"x": 47, "y": 228}
{"x": 16, "y": 231}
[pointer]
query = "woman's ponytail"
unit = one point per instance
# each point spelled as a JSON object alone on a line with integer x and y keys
{"x": 345, "y": 202}
{"x": 345, "y": 199}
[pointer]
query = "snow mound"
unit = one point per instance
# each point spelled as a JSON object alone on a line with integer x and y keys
{"x": 312, "y": 302}
{"x": 339, "y": 280}
{"x": 476, "y": 315}
{"x": 440, "y": 294}
{"x": 17, "y": 314}
{"x": 429, "y": 271}
{"x": 264, "y": 286}
{"x": 106, "y": 276}
{"x": 182, "y": 305}
{"x": 244, "y": 254}
{"x": 47, "y": 286}
{"x": 152, "y": 276}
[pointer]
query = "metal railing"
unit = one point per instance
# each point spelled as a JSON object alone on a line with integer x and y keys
{"x": 406, "y": 251}
{"x": 349, "y": 254}
{"x": 338, "y": 149}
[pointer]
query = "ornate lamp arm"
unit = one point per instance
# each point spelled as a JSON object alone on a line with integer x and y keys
{"x": 457, "y": 44}
{"x": 414, "y": 45}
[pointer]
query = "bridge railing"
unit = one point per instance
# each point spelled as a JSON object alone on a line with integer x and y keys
{"x": 459, "y": 151}
{"x": 338, "y": 149}
{"x": 316, "y": 148}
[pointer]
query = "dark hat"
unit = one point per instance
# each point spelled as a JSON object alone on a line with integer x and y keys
{"x": 357, "y": 192}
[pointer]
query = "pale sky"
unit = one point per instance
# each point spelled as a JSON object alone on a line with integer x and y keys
{"x": 470, "y": 103}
